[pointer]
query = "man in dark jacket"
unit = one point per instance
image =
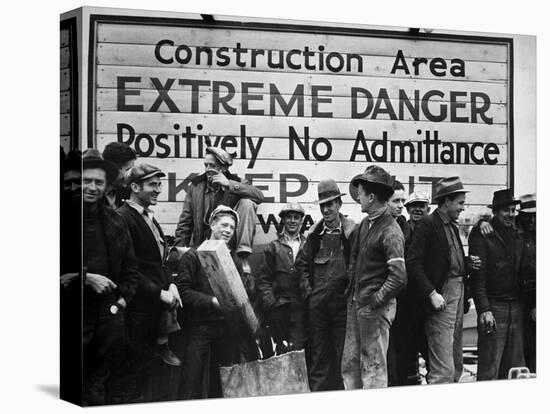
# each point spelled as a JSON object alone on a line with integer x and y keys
{"x": 278, "y": 286}
{"x": 436, "y": 266}
{"x": 217, "y": 186}
{"x": 110, "y": 281}
{"x": 527, "y": 225}
{"x": 212, "y": 337}
{"x": 496, "y": 291}
{"x": 155, "y": 294}
{"x": 322, "y": 266}
{"x": 378, "y": 275}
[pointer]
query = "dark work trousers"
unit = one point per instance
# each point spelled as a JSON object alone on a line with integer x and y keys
{"x": 208, "y": 346}
{"x": 530, "y": 342}
{"x": 104, "y": 354}
{"x": 290, "y": 325}
{"x": 503, "y": 349}
{"x": 140, "y": 354}
{"x": 407, "y": 340}
{"x": 327, "y": 312}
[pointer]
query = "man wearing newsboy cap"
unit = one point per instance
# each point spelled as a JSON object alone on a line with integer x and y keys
{"x": 378, "y": 274}
{"x": 322, "y": 265}
{"x": 437, "y": 267}
{"x": 496, "y": 290}
{"x": 217, "y": 186}
{"x": 156, "y": 297}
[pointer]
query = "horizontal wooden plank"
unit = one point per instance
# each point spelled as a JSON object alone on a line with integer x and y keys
{"x": 65, "y": 124}
{"x": 262, "y": 126}
{"x": 65, "y": 142}
{"x": 64, "y": 57}
{"x": 65, "y": 102}
{"x": 344, "y": 170}
{"x": 375, "y": 66}
{"x": 341, "y": 107}
{"x": 173, "y": 146}
{"x": 282, "y": 40}
{"x": 286, "y": 83}
{"x": 64, "y": 37}
{"x": 64, "y": 80}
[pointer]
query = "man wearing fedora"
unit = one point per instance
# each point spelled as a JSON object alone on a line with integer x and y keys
{"x": 278, "y": 286}
{"x": 110, "y": 281}
{"x": 496, "y": 291}
{"x": 213, "y": 338}
{"x": 156, "y": 298}
{"x": 437, "y": 269}
{"x": 527, "y": 227}
{"x": 378, "y": 275}
{"x": 217, "y": 186}
{"x": 322, "y": 265}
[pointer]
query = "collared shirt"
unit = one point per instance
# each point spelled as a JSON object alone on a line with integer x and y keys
{"x": 293, "y": 242}
{"x": 456, "y": 267}
{"x": 149, "y": 217}
{"x": 371, "y": 218}
{"x": 333, "y": 230}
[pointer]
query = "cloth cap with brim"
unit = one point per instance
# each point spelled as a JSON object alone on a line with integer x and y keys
{"x": 328, "y": 190}
{"x": 221, "y": 156}
{"x": 221, "y": 209}
{"x": 292, "y": 207}
{"x": 417, "y": 197}
{"x": 376, "y": 176}
{"x": 143, "y": 172}
{"x": 503, "y": 198}
{"x": 92, "y": 159}
{"x": 448, "y": 186}
{"x": 528, "y": 203}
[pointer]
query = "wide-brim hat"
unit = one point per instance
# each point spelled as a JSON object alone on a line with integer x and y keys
{"x": 221, "y": 209}
{"x": 417, "y": 197}
{"x": 328, "y": 190}
{"x": 92, "y": 159}
{"x": 223, "y": 157}
{"x": 143, "y": 172}
{"x": 503, "y": 198}
{"x": 292, "y": 207}
{"x": 528, "y": 203}
{"x": 448, "y": 186}
{"x": 375, "y": 175}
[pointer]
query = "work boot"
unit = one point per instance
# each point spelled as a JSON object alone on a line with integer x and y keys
{"x": 166, "y": 354}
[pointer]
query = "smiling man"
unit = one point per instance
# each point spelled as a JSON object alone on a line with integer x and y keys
{"x": 110, "y": 281}
{"x": 496, "y": 291}
{"x": 156, "y": 296}
{"x": 212, "y": 337}
{"x": 322, "y": 266}
{"x": 278, "y": 285}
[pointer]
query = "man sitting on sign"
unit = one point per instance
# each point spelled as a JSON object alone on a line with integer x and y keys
{"x": 212, "y": 339}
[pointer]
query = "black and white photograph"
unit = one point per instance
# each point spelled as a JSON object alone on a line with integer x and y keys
{"x": 293, "y": 206}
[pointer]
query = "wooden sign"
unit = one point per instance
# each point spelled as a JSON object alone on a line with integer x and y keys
{"x": 226, "y": 281}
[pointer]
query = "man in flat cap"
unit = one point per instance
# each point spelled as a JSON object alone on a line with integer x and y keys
{"x": 123, "y": 157}
{"x": 418, "y": 206}
{"x": 437, "y": 267}
{"x": 378, "y": 274}
{"x": 217, "y": 186}
{"x": 278, "y": 286}
{"x": 322, "y": 266}
{"x": 496, "y": 291}
{"x": 527, "y": 227}
{"x": 156, "y": 294}
{"x": 212, "y": 337}
{"x": 110, "y": 281}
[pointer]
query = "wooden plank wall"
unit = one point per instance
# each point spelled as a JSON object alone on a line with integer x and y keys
{"x": 65, "y": 90}
{"x": 169, "y": 112}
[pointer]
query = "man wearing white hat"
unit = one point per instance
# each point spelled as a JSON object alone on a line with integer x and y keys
{"x": 278, "y": 285}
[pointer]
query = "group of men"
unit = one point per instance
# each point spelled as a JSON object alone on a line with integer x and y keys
{"x": 363, "y": 300}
